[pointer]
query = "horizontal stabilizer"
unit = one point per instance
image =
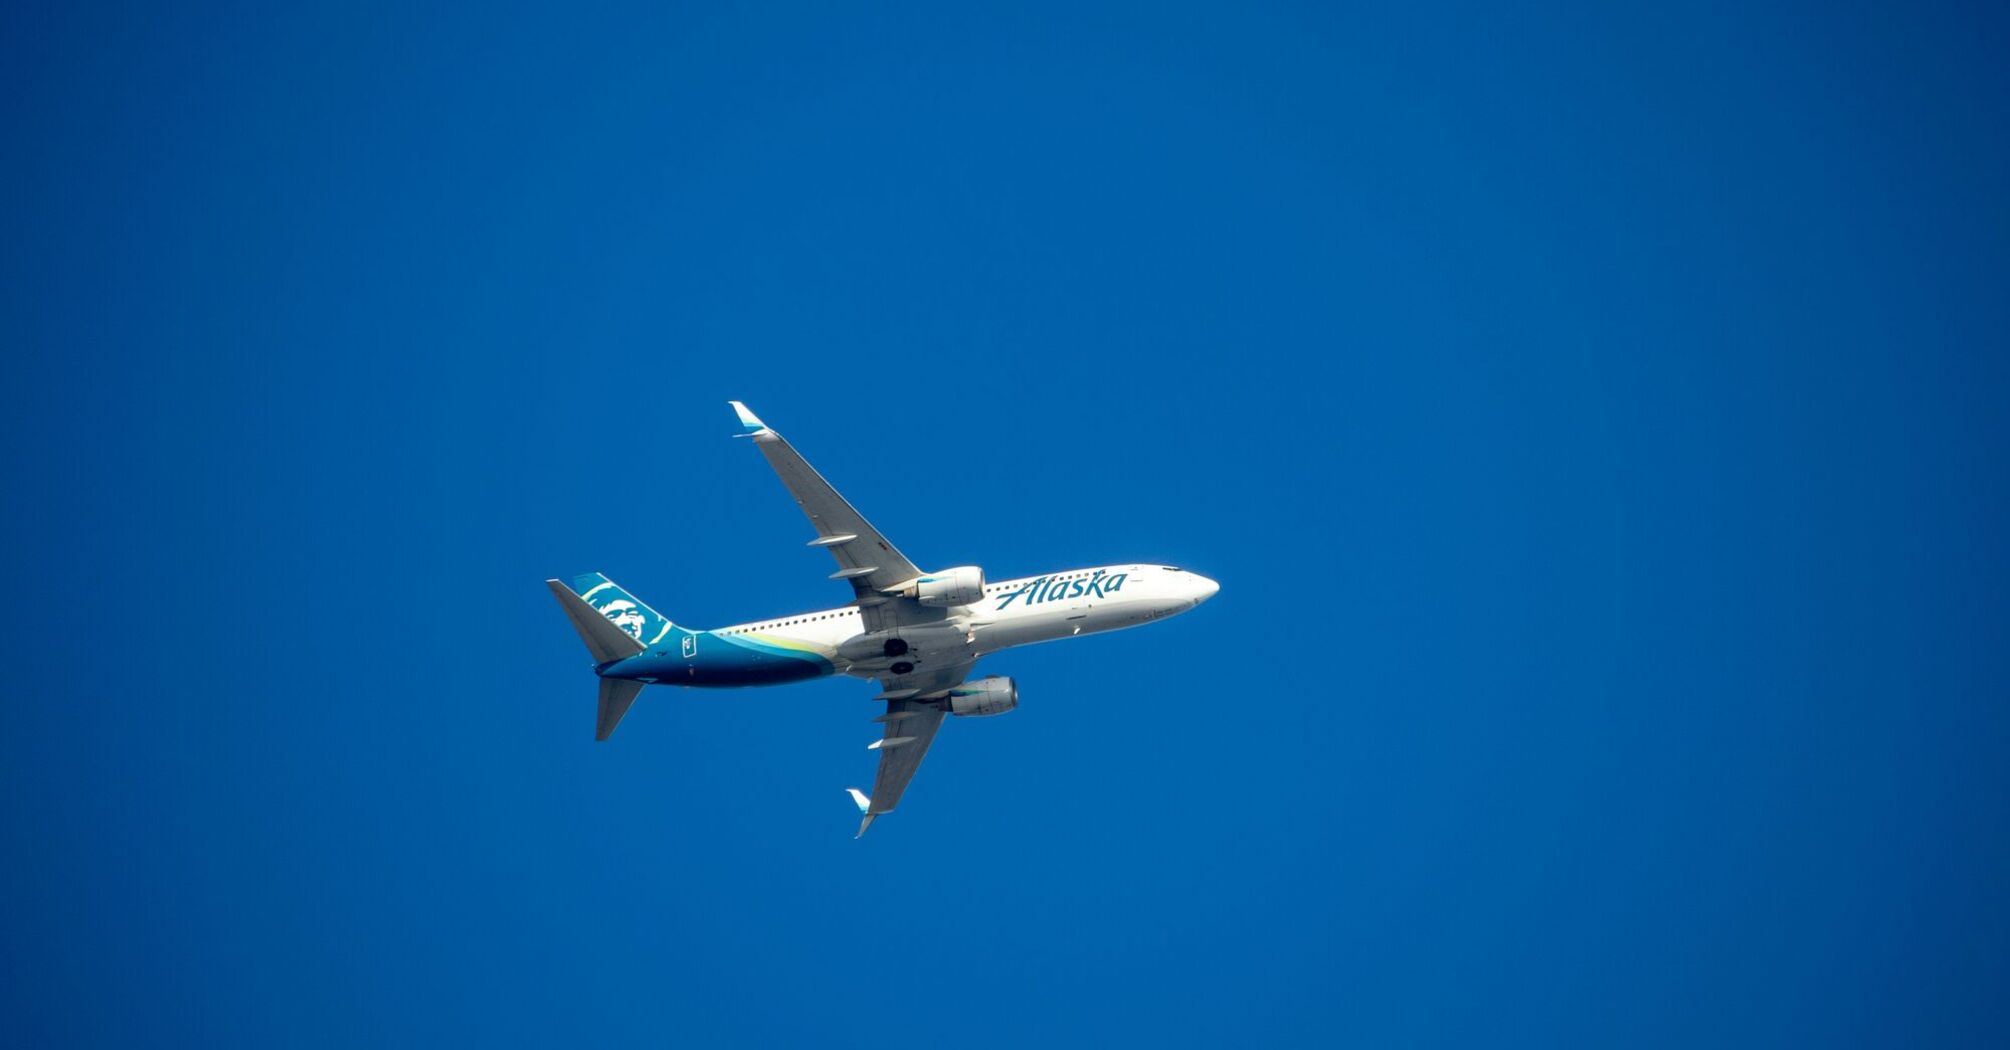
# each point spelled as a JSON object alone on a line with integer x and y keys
{"x": 615, "y": 696}
{"x": 606, "y": 641}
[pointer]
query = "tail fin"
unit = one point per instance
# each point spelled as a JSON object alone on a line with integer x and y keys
{"x": 613, "y": 625}
{"x": 642, "y": 623}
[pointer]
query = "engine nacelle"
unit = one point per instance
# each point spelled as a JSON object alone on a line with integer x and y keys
{"x": 962, "y": 585}
{"x": 982, "y": 697}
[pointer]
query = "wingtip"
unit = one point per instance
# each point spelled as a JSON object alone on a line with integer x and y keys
{"x": 747, "y": 418}
{"x": 864, "y": 805}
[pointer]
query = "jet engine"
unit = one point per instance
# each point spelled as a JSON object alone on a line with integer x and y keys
{"x": 962, "y": 585}
{"x": 981, "y": 697}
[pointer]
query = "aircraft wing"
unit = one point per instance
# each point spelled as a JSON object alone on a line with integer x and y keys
{"x": 910, "y": 728}
{"x": 865, "y": 557}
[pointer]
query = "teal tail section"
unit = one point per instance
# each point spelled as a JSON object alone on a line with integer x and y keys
{"x": 627, "y": 612}
{"x": 618, "y": 630}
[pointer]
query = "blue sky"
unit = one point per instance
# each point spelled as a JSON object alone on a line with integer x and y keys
{"x": 1595, "y": 419}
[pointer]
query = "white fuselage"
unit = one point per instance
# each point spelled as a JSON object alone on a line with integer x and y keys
{"x": 1011, "y": 613}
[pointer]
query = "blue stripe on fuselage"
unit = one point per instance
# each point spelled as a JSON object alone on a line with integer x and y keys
{"x": 722, "y": 661}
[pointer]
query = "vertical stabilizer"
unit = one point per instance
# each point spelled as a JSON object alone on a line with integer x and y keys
{"x": 626, "y": 611}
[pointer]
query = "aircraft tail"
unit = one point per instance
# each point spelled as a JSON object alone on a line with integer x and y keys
{"x": 626, "y": 611}
{"x": 614, "y": 626}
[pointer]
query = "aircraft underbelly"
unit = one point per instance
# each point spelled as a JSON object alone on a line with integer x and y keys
{"x": 727, "y": 661}
{"x": 1025, "y": 630}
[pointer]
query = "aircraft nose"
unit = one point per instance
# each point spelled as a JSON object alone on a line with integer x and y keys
{"x": 1204, "y": 589}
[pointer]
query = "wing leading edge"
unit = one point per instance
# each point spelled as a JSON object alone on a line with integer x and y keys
{"x": 864, "y": 556}
{"x": 873, "y": 566}
{"x": 910, "y": 728}
{"x": 911, "y": 720}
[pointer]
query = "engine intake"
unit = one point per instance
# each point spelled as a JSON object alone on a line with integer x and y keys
{"x": 962, "y": 585}
{"x": 983, "y": 697}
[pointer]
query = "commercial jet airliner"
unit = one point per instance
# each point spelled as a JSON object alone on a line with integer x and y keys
{"x": 919, "y": 634}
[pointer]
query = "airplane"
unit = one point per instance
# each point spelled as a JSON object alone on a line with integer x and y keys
{"x": 917, "y": 633}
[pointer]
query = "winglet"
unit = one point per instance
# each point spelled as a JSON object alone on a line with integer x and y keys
{"x": 865, "y": 807}
{"x": 749, "y": 420}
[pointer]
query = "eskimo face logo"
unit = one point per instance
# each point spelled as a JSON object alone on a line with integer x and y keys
{"x": 626, "y": 615}
{"x": 635, "y": 619}
{"x": 1047, "y": 589}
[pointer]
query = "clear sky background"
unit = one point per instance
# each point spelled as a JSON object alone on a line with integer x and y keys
{"x": 1595, "y": 418}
